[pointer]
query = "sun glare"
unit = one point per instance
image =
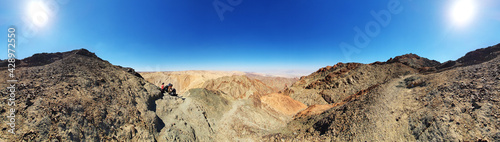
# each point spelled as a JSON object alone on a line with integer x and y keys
{"x": 462, "y": 12}
{"x": 38, "y": 13}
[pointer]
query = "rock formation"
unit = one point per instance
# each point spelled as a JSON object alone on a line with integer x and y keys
{"x": 185, "y": 80}
{"x": 397, "y": 101}
{"x": 76, "y": 96}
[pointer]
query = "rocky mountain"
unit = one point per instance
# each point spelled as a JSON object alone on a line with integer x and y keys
{"x": 276, "y": 83}
{"x": 76, "y": 96}
{"x": 414, "y": 61}
{"x": 238, "y": 87}
{"x": 473, "y": 57}
{"x": 335, "y": 83}
{"x": 185, "y": 80}
{"x": 398, "y": 101}
{"x": 231, "y": 108}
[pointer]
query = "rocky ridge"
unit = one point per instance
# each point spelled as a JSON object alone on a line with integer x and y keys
{"x": 458, "y": 102}
{"x": 76, "y": 96}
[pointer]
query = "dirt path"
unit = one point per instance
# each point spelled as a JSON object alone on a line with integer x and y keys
{"x": 391, "y": 112}
{"x": 235, "y": 105}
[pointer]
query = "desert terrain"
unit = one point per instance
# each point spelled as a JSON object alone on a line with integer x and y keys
{"x": 77, "y": 96}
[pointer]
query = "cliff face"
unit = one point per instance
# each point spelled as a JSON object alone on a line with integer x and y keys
{"x": 76, "y": 96}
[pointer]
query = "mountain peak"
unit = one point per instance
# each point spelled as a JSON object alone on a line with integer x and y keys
{"x": 406, "y": 56}
{"x": 84, "y": 52}
{"x": 480, "y": 55}
{"x": 41, "y": 59}
{"x": 414, "y": 61}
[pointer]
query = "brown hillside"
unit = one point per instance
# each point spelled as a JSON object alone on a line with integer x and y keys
{"x": 461, "y": 103}
{"x": 76, "y": 96}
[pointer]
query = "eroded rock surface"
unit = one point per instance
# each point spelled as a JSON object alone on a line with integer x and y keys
{"x": 458, "y": 103}
{"x": 76, "y": 96}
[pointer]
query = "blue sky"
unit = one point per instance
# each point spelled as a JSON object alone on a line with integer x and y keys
{"x": 256, "y": 36}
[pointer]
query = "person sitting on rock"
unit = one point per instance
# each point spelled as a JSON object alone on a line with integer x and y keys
{"x": 171, "y": 90}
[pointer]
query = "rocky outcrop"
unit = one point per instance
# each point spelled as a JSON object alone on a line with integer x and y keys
{"x": 471, "y": 58}
{"x": 76, "y": 96}
{"x": 480, "y": 55}
{"x": 334, "y": 83}
{"x": 215, "y": 115}
{"x": 460, "y": 103}
{"x": 414, "y": 61}
{"x": 191, "y": 118}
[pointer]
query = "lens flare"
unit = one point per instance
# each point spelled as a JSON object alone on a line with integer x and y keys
{"x": 462, "y": 12}
{"x": 38, "y": 13}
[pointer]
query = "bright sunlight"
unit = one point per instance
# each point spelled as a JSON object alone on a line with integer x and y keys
{"x": 462, "y": 12}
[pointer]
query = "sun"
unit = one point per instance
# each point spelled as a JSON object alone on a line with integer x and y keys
{"x": 462, "y": 12}
{"x": 38, "y": 13}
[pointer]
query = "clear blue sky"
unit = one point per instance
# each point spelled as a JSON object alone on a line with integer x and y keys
{"x": 256, "y": 36}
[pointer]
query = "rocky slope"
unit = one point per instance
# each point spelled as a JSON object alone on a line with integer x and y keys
{"x": 334, "y": 83}
{"x": 76, "y": 96}
{"x": 458, "y": 103}
{"x": 238, "y": 87}
{"x": 232, "y": 108}
{"x": 414, "y": 61}
{"x": 185, "y": 80}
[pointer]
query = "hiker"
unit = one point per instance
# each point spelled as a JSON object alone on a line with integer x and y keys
{"x": 162, "y": 87}
{"x": 171, "y": 90}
